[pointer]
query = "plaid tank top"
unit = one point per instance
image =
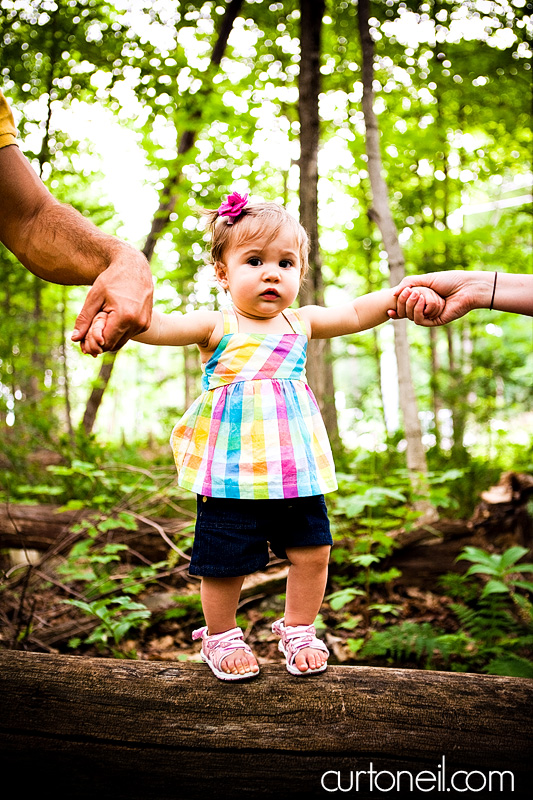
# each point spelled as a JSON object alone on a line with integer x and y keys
{"x": 255, "y": 432}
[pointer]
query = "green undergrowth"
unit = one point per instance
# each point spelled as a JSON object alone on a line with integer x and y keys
{"x": 104, "y": 581}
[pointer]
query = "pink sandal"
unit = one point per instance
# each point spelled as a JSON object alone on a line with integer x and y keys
{"x": 218, "y": 646}
{"x": 295, "y": 638}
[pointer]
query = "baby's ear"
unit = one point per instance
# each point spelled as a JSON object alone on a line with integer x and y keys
{"x": 221, "y": 274}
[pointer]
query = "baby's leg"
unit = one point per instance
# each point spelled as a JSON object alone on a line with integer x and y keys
{"x": 306, "y": 584}
{"x": 220, "y": 597}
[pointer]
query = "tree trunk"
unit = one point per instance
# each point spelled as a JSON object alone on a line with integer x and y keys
{"x": 115, "y": 729}
{"x": 319, "y": 362}
{"x": 434, "y": 383}
{"x": 64, "y": 366}
{"x": 35, "y": 393}
{"x": 381, "y": 214}
{"x": 166, "y": 207}
{"x": 97, "y": 392}
{"x": 169, "y": 193}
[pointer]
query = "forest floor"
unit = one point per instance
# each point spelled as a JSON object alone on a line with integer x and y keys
{"x": 411, "y": 606}
{"x": 176, "y": 611}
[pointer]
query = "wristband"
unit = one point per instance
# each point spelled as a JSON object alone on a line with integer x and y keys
{"x": 493, "y": 291}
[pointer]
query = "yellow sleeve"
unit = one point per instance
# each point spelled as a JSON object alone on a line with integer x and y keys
{"x": 8, "y": 131}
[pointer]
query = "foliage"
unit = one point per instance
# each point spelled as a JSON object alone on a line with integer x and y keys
{"x": 501, "y": 570}
{"x": 412, "y": 640}
{"x": 115, "y": 622}
{"x": 494, "y": 617}
{"x": 452, "y": 102}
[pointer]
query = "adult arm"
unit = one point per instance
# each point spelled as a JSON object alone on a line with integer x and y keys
{"x": 463, "y": 291}
{"x": 58, "y": 244}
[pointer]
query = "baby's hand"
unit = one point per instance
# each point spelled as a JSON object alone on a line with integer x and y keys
{"x": 423, "y": 305}
{"x": 94, "y": 340}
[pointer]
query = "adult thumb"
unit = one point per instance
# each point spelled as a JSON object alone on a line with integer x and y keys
{"x": 92, "y": 305}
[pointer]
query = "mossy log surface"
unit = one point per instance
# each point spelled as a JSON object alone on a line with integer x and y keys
{"x": 149, "y": 730}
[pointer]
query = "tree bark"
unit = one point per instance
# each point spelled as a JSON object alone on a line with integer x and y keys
{"x": 434, "y": 383}
{"x": 381, "y": 214}
{"x": 115, "y": 728}
{"x": 64, "y": 366}
{"x": 319, "y": 362}
{"x": 166, "y": 207}
{"x": 97, "y": 392}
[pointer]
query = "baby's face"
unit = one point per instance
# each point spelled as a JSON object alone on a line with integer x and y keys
{"x": 263, "y": 275}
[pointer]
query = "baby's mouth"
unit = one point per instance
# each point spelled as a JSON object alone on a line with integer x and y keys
{"x": 270, "y": 293}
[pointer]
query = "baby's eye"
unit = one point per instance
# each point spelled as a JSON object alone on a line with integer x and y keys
{"x": 285, "y": 264}
{"x": 254, "y": 261}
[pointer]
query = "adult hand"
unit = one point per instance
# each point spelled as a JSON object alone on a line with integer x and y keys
{"x": 461, "y": 290}
{"x": 124, "y": 291}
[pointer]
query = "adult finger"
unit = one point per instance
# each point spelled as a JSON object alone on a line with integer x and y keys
{"x": 408, "y": 281}
{"x": 119, "y": 329}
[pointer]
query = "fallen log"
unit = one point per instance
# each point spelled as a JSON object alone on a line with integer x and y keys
{"x": 140, "y": 730}
{"x": 45, "y": 526}
{"x": 500, "y": 520}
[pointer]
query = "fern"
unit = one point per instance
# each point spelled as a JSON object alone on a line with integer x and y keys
{"x": 489, "y": 622}
{"x": 512, "y": 665}
{"x": 418, "y": 641}
{"x": 459, "y": 586}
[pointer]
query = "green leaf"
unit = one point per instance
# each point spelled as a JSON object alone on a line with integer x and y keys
{"x": 81, "y": 605}
{"x": 52, "y": 491}
{"x": 128, "y": 521}
{"x": 109, "y": 524}
{"x": 339, "y": 599}
{"x": 385, "y": 608}
{"x": 73, "y": 505}
{"x": 512, "y": 555}
{"x": 512, "y": 665}
{"x": 484, "y": 569}
{"x": 364, "y": 559}
{"x": 522, "y": 568}
{"x": 494, "y": 587}
{"x": 476, "y": 554}
{"x": 527, "y": 585}
{"x": 354, "y": 645}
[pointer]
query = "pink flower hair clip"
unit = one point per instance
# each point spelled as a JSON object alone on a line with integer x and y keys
{"x": 233, "y": 207}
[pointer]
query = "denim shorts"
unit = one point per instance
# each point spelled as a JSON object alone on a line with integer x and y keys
{"x": 232, "y": 535}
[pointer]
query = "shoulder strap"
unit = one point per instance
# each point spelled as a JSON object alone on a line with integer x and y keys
{"x": 231, "y": 324}
{"x": 292, "y": 315}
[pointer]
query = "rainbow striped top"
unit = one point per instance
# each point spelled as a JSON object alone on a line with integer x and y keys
{"x": 255, "y": 432}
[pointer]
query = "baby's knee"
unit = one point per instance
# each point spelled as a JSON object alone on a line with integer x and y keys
{"x": 316, "y": 556}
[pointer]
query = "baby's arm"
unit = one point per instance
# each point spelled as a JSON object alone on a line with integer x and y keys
{"x": 363, "y": 313}
{"x": 175, "y": 329}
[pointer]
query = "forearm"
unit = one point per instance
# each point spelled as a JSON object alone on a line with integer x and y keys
{"x": 371, "y": 309}
{"x": 153, "y": 334}
{"x": 52, "y": 240}
{"x": 512, "y": 293}
{"x": 359, "y": 315}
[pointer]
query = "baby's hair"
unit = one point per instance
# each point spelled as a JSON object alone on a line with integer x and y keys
{"x": 255, "y": 220}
